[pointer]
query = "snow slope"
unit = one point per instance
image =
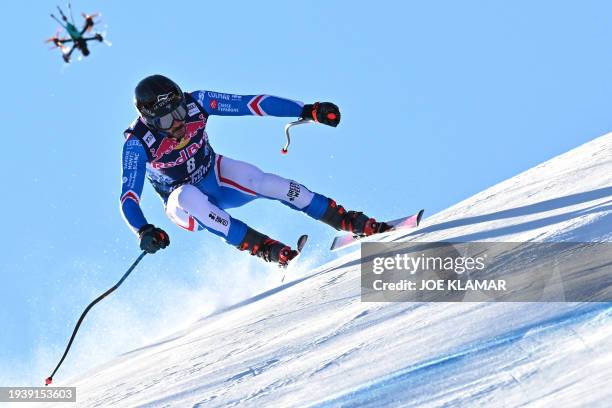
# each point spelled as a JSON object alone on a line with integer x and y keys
{"x": 312, "y": 342}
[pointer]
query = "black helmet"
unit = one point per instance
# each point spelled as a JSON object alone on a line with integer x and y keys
{"x": 156, "y": 96}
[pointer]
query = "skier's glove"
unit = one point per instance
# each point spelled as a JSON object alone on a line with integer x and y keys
{"x": 152, "y": 238}
{"x": 322, "y": 112}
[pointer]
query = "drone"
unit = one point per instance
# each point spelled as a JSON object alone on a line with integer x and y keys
{"x": 76, "y": 36}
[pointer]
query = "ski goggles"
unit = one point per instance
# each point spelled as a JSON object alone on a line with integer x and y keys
{"x": 165, "y": 122}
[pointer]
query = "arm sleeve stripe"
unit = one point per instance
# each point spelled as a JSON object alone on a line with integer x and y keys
{"x": 255, "y": 105}
{"x": 130, "y": 195}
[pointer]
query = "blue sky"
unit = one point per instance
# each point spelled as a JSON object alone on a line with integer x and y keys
{"x": 439, "y": 101}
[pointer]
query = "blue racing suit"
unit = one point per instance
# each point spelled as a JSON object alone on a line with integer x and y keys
{"x": 196, "y": 184}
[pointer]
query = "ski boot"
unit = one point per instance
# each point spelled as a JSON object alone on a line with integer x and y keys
{"x": 352, "y": 221}
{"x": 268, "y": 249}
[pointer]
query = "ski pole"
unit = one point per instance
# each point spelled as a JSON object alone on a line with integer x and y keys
{"x": 49, "y": 380}
{"x": 288, "y": 126}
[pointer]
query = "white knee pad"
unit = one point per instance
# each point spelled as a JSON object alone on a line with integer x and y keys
{"x": 187, "y": 204}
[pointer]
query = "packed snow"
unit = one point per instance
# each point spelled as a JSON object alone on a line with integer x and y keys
{"x": 312, "y": 342}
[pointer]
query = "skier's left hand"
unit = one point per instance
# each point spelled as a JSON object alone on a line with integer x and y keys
{"x": 322, "y": 112}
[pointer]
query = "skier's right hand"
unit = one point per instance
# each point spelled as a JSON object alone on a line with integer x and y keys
{"x": 152, "y": 238}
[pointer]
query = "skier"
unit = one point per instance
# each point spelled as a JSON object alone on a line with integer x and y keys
{"x": 169, "y": 144}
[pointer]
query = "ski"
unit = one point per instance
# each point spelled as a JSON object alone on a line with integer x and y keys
{"x": 300, "y": 245}
{"x": 347, "y": 240}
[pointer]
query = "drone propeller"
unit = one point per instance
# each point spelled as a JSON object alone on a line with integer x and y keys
{"x": 57, "y": 41}
{"x": 56, "y": 35}
{"x": 89, "y": 20}
{"x": 94, "y": 15}
{"x": 59, "y": 45}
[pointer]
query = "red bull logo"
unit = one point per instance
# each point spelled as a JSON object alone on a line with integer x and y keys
{"x": 183, "y": 156}
{"x": 191, "y": 128}
{"x": 168, "y": 145}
